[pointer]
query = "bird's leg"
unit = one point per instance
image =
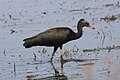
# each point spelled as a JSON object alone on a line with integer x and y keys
{"x": 61, "y": 54}
{"x": 56, "y": 72}
{"x": 62, "y": 61}
{"x": 55, "y": 49}
{"x": 60, "y": 51}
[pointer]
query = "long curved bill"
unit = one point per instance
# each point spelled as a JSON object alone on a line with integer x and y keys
{"x": 91, "y": 26}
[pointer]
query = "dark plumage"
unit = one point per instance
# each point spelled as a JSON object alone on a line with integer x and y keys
{"x": 51, "y": 37}
{"x": 56, "y": 37}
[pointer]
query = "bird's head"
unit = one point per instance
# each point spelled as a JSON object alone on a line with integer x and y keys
{"x": 83, "y": 23}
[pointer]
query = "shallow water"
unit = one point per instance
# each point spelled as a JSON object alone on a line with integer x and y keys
{"x": 24, "y": 18}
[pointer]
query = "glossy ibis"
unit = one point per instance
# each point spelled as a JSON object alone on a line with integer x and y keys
{"x": 56, "y": 37}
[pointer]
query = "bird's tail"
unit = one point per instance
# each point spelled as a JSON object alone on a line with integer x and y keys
{"x": 28, "y": 43}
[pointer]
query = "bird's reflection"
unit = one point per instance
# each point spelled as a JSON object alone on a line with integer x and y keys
{"x": 59, "y": 75}
{"x": 53, "y": 66}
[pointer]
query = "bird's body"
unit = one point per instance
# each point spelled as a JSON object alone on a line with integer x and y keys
{"x": 52, "y": 37}
{"x": 56, "y": 37}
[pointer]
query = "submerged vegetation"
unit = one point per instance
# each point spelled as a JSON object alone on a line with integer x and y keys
{"x": 100, "y": 49}
{"x": 68, "y": 53}
{"x": 109, "y": 18}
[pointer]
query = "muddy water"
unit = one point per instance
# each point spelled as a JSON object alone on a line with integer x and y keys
{"x": 23, "y": 18}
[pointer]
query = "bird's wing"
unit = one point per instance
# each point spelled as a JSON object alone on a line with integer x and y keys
{"x": 52, "y": 37}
